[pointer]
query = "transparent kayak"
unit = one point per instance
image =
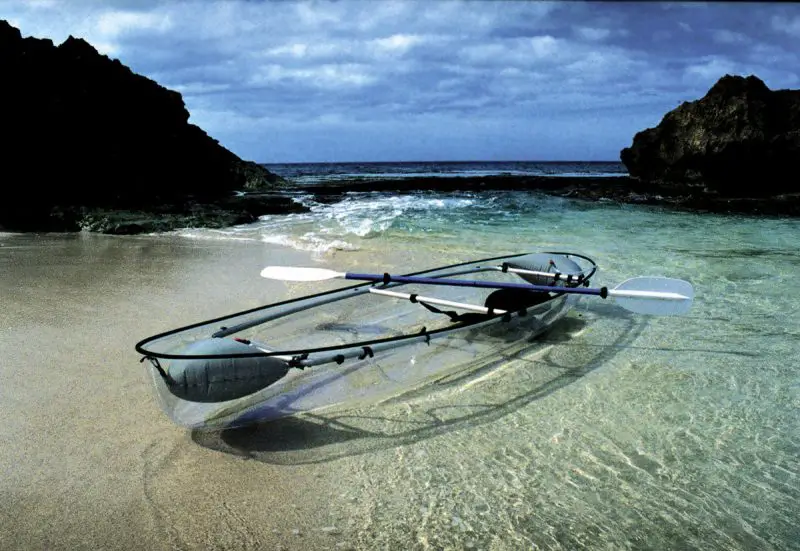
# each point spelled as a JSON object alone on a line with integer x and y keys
{"x": 356, "y": 345}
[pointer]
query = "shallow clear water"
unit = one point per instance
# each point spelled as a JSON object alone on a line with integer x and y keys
{"x": 619, "y": 432}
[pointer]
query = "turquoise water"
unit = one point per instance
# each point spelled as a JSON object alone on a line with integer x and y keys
{"x": 619, "y": 431}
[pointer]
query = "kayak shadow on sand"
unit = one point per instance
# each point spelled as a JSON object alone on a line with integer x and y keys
{"x": 548, "y": 363}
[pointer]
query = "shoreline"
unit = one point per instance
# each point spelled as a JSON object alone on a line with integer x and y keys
{"x": 248, "y": 207}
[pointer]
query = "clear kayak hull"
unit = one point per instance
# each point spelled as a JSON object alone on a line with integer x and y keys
{"x": 347, "y": 347}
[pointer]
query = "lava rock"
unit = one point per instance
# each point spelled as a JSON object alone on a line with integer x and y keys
{"x": 740, "y": 140}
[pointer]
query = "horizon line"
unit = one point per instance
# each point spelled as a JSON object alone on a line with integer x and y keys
{"x": 437, "y": 161}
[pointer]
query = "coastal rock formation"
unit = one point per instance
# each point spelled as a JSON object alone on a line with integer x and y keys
{"x": 740, "y": 140}
{"x": 82, "y": 131}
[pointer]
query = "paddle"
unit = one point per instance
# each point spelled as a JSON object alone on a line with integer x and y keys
{"x": 439, "y": 301}
{"x": 644, "y": 295}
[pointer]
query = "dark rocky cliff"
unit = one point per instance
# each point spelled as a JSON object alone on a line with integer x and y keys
{"x": 82, "y": 132}
{"x": 740, "y": 140}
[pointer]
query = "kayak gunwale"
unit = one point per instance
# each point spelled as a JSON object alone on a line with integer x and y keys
{"x": 299, "y": 357}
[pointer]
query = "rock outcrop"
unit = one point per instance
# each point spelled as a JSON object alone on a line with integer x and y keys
{"x": 82, "y": 131}
{"x": 740, "y": 140}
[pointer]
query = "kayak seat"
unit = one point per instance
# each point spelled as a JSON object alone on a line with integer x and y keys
{"x": 512, "y": 300}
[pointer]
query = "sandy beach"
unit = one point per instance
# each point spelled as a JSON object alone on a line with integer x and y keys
{"x": 92, "y": 463}
{"x": 89, "y": 461}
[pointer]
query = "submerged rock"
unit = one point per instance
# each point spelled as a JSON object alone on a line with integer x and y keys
{"x": 237, "y": 210}
{"x": 82, "y": 131}
{"x": 740, "y": 140}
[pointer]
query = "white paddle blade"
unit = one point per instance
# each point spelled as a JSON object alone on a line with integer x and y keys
{"x": 290, "y": 273}
{"x": 661, "y": 296}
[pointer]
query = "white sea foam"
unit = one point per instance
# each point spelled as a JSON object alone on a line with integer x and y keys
{"x": 364, "y": 221}
{"x": 358, "y": 216}
{"x": 309, "y": 242}
{"x": 210, "y": 234}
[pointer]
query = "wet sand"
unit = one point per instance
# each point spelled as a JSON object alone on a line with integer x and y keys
{"x": 88, "y": 460}
{"x": 91, "y": 462}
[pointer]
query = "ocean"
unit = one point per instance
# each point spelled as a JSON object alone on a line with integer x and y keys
{"x": 362, "y": 220}
{"x": 622, "y": 431}
{"x": 306, "y": 173}
{"x": 612, "y": 431}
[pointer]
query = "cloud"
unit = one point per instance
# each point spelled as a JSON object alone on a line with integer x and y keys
{"x": 325, "y": 76}
{"x": 115, "y": 23}
{"x": 724, "y": 36}
{"x": 788, "y": 25}
{"x": 44, "y": 4}
{"x": 710, "y": 70}
{"x": 258, "y": 72}
{"x": 592, "y": 33}
{"x": 397, "y": 43}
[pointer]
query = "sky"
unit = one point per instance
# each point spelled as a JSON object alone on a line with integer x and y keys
{"x": 420, "y": 80}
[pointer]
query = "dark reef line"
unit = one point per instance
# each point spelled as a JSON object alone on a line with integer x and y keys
{"x": 620, "y": 189}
